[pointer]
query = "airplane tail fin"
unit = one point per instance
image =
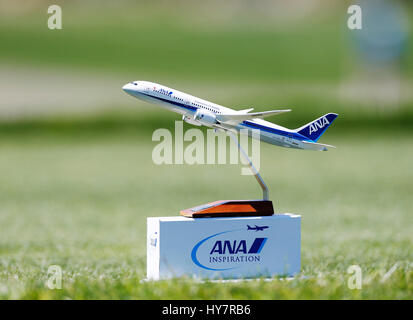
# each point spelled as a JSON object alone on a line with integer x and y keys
{"x": 316, "y": 128}
{"x": 249, "y": 228}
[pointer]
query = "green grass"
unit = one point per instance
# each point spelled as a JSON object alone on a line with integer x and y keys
{"x": 75, "y": 191}
{"x": 134, "y": 40}
{"x": 187, "y": 41}
{"x": 187, "y": 55}
{"x": 144, "y": 119}
{"x": 81, "y": 202}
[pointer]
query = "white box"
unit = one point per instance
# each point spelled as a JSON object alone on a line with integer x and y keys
{"x": 228, "y": 248}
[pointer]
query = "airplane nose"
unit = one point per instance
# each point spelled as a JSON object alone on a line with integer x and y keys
{"x": 128, "y": 88}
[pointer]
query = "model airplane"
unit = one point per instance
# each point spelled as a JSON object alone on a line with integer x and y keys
{"x": 257, "y": 228}
{"x": 200, "y": 112}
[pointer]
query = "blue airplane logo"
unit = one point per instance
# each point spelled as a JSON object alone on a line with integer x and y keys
{"x": 257, "y": 228}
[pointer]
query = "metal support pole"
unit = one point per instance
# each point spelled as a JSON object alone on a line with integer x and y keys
{"x": 251, "y": 166}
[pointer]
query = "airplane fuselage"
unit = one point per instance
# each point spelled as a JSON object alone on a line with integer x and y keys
{"x": 189, "y": 106}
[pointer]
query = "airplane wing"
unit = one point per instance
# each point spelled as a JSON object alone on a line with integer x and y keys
{"x": 246, "y": 110}
{"x": 238, "y": 117}
{"x": 317, "y": 146}
{"x": 224, "y": 128}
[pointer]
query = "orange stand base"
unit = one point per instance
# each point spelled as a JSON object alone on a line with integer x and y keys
{"x": 230, "y": 208}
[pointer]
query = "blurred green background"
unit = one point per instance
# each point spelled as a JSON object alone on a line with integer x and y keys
{"x": 77, "y": 179}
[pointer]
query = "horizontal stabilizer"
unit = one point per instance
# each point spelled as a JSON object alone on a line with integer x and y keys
{"x": 317, "y": 146}
{"x": 238, "y": 117}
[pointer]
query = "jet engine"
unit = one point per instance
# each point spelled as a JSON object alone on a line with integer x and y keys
{"x": 205, "y": 117}
{"x": 190, "y": 120}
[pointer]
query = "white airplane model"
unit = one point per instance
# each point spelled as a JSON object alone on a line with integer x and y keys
{"x": 199, "y": 112}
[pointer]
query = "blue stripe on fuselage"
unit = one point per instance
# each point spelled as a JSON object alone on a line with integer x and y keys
{"x": 293, "y": 135}
{"x": 182, "y": 105}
